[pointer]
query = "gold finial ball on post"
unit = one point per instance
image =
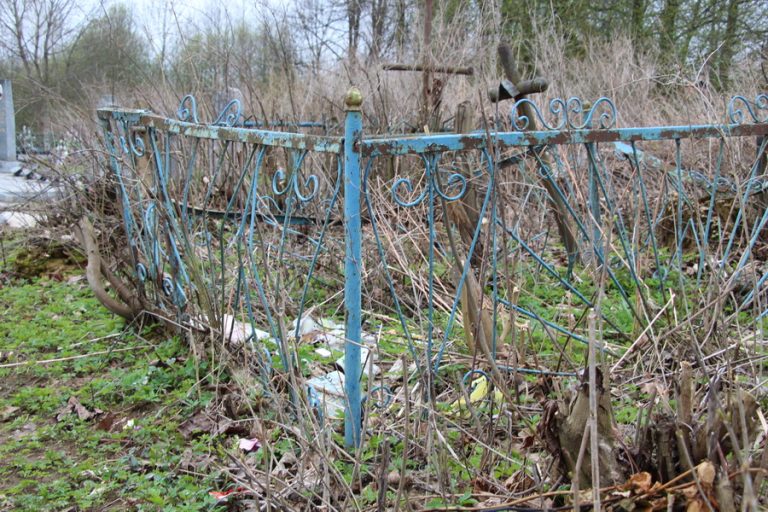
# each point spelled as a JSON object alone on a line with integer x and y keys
{"x": 353, "y": 99}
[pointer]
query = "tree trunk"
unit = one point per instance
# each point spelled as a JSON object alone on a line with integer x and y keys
{"x": 353, "y": 22}
{"x": 728, "y": 48}
{"x": 667, "y": 38}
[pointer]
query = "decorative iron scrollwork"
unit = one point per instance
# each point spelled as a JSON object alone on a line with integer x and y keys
{"x": 406, "y": 182}
{"x": 282, "y": 185}
{"x": 137, "y": 145}
{"x": 168, "y": 286}
{"x": 266, "y": 205}
{"x": 602, "y": 106}
{"x": 173, "y": 290}
{"x": 311, "y": 184}
{"x": 456, "y": 180}
{"x": 230, "y": 115}
{"x": 380, "y": 403}
{"x": 569, "y": 114}
{"x": 124, "y": 145}
{"x": 131, "y": 142}
{"x": 738, "y": 115}
{"x": 141, "y": 272}
{"x": 187, "y": 110}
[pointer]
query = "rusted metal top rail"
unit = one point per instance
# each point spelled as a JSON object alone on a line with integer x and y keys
{"x": 224, "y": 132}
{"x": 420, "y": 144}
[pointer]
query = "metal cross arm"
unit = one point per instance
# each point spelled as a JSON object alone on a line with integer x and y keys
{"x": 514, "y": 87}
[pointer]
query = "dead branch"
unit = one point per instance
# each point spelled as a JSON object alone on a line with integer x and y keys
{"x": 94, "y": 271}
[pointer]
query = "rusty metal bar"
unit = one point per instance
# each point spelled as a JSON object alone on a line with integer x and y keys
{"x": 507, "y": 90}
{"x": 289, "y": 140}
{"x": 452, "y": 70}
{"x": 478, "y": 140}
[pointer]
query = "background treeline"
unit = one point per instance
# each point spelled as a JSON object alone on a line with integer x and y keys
{"x": 297, "y": 60}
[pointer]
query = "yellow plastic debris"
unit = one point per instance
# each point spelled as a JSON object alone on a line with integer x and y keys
{"x": 479, "y": 392}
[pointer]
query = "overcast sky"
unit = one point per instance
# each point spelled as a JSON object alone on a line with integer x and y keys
{"x": 149, "y": 12}
{"x": 150, "y": 15}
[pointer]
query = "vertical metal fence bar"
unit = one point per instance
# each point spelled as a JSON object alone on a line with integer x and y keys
{"x": 594, "y": 202}
{"x": 353, "y": 129}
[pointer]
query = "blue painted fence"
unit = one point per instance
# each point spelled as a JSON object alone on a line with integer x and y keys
{"x": 225, "y": 222}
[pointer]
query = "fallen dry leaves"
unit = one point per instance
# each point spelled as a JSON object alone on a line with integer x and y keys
{"x": 75, "y": 407}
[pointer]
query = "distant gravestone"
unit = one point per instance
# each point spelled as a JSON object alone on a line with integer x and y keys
{"x": 7, "y": 123}
{"x": 106, "y": 101}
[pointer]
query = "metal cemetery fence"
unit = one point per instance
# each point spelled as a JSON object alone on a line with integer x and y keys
{"x": 228, "y": 224}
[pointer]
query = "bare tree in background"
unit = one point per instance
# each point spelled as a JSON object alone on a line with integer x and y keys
{"x": 320, "y": 26}
{"x": 35, "y": 32}
{"x": 354, "y": 11}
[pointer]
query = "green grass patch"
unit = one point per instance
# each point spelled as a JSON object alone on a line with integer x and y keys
{"x": 58, "y": 342}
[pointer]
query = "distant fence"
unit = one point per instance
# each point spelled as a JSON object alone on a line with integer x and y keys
{"x": 226, "y": 222}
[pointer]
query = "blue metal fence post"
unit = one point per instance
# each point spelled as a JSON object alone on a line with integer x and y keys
{"x": 353, "y": 129}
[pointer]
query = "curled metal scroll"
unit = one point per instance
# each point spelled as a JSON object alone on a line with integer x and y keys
{"x": 406, "y": 183}
{"x": 150, "y": 231}
{"x": 137, "y": 145}
{"x": 168, "y": 286}
{"x": 472, "y": 373}
{"x": 602, "y": 106}
{"x": 230, "y": 115}
{"x": 277, "y": 179}
{"x": 568, "y": 114}
{"x": 267, "y": 206}
{"x": 141, "y": 272}
{"x": 748, "y": 112}
{"x": 311, "y": 184}
{"x": 455, "y": 180}
{"x": 282, "y": 185}
{"x": 385, "y": 401}
{"x": 187, "y": 110}
{"x": 173, "y": 290}
{"x": 521, "y": 122}
{"x": 131, "y": 144}
{"x": 124, "y": 144}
